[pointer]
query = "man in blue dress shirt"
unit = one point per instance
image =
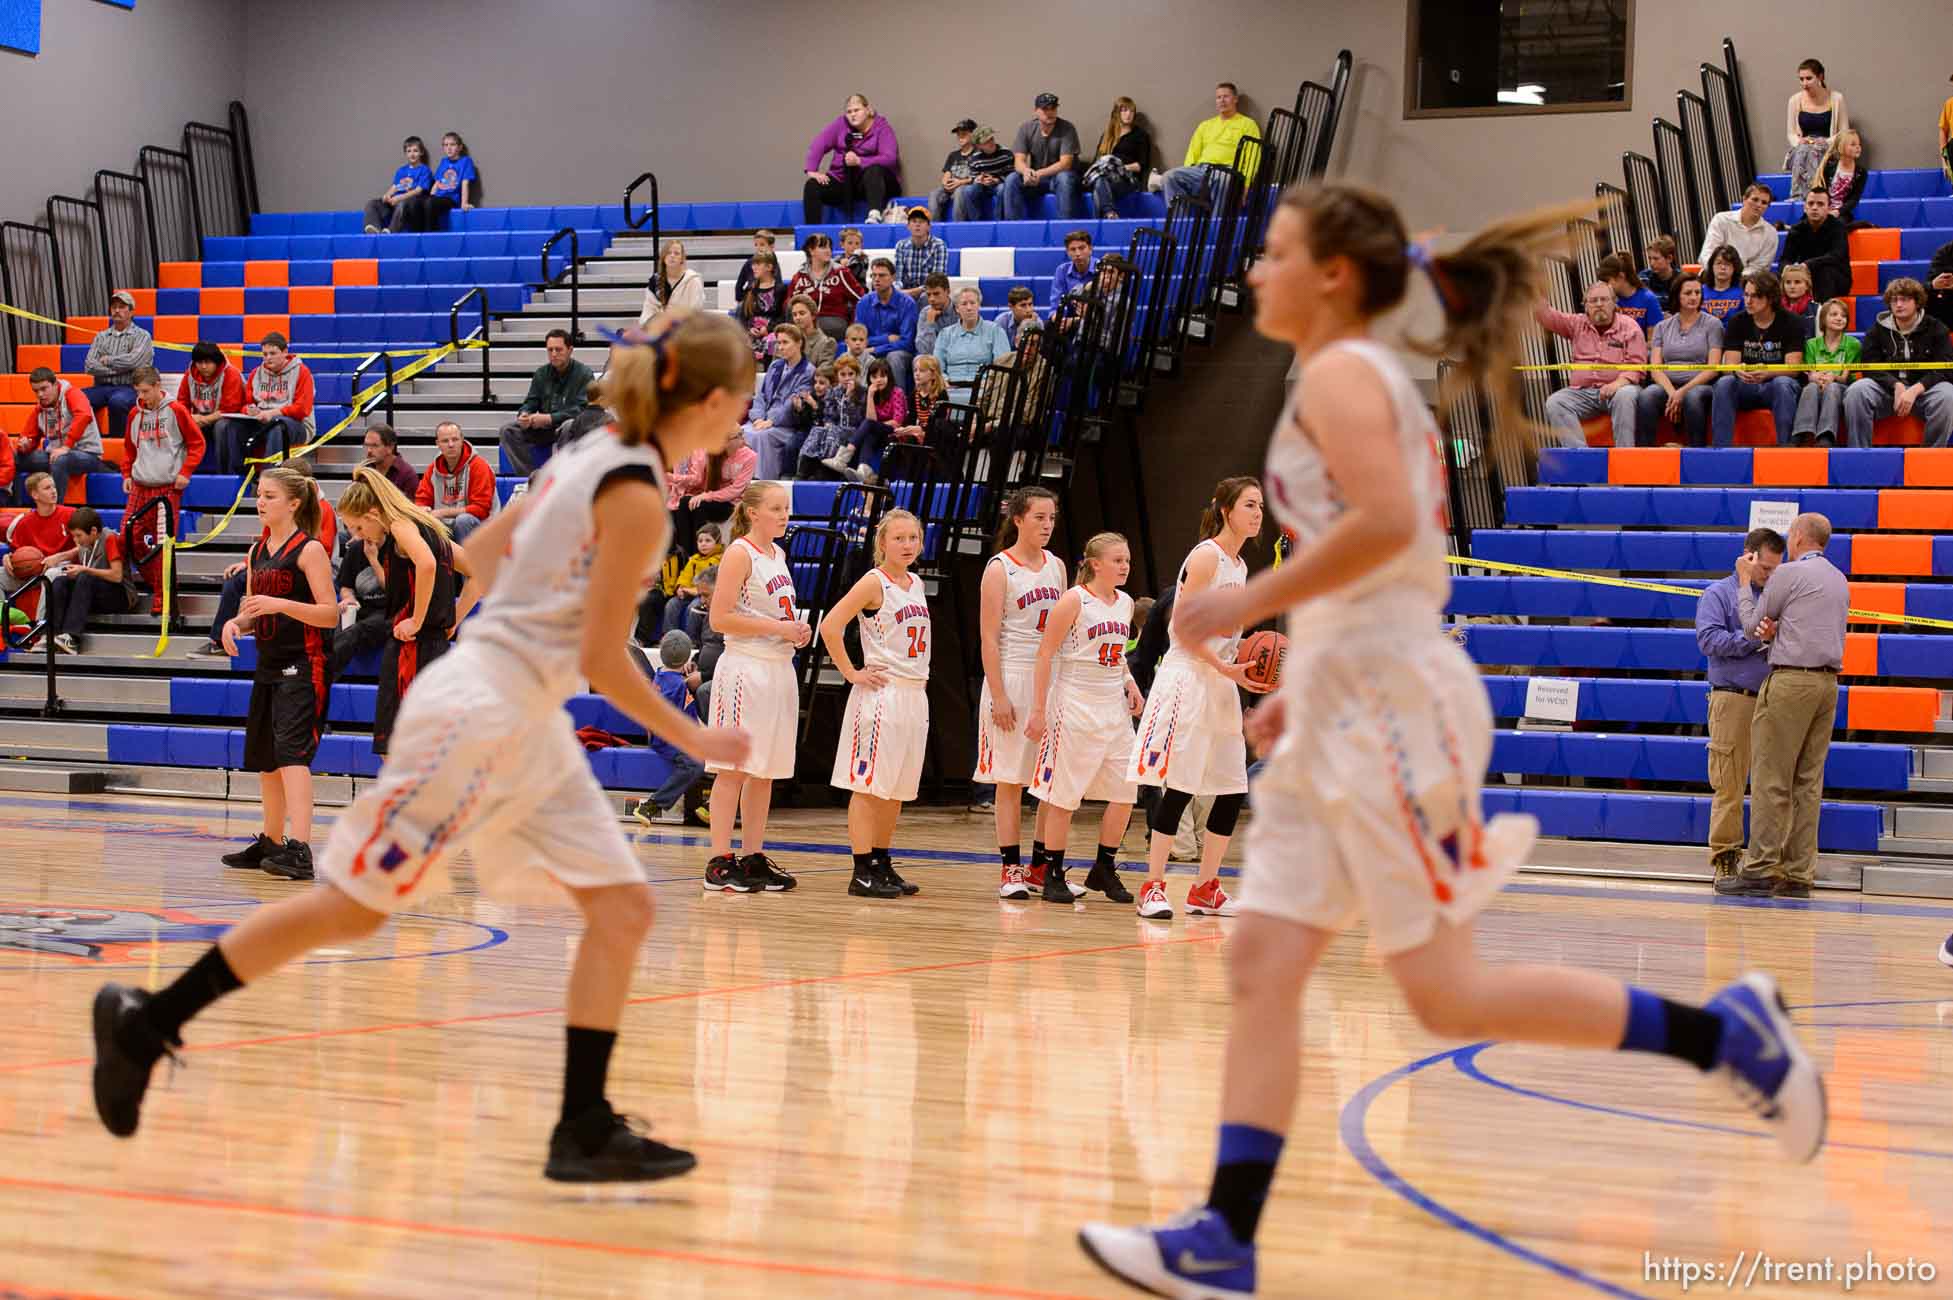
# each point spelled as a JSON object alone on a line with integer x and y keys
{"x": 1738, "y": 663}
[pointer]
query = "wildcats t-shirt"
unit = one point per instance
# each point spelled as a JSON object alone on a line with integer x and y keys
{"x": 1783, "y": 339}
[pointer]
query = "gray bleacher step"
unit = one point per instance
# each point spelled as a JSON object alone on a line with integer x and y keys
{"x": 23, "y": 777}
{"x": 189, "y": 604}
{"x": 88, "y": 691}
{"x": 45, "y": 738}
{"x": 416, "y": 420}
{"x": 503, "y": 387}
{"x": 1910, "y": 821}
{"x": 1678, "y": 862}
{"x": 177, "y": 661}
{"x": 594, "y": 298}
{"x": 1934, "y": 762}
{"x": 637, "y": 244}
{"x": 1914, "y": 880}
{"x": 118, "y": 649}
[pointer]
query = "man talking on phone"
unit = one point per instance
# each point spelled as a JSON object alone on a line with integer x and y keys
{"x": 1801, "y": 614}
{"x": 1738, "y": 663}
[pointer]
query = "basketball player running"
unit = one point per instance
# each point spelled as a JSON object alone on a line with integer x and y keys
{"x": 485, "y": 754}
{"x": 885, "y": 733}
{"x": 1380, "y": 732}
{"x": 754, "y": 688}
{"x": 1082, "y": 725}
{"x": 1021, "y": 583}
{"x": 1190, "y": 735}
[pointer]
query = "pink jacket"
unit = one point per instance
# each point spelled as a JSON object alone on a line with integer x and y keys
{"x": 688, "y": 480}
{"x": 1623, "y": 343}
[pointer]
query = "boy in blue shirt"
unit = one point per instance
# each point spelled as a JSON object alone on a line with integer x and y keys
{"x": 675, "y": 680}
{"x": 404, "y": 206}
{"x": 452, "y": 176}
{"x": 1631, "y": 298}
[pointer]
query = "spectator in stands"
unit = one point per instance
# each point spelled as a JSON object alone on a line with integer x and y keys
{"x": 816, "y": 344}
{"x": 991, "y": 165}
{"x": 774, "y": 444}
{"x": 361, "y": 582}
{"x": 705, "y": 487}
{"x": 95, "y": 581}
{"x": 1946, "y": 139}
{"x": 1820, "y": 407}
{"x": 850, "y": 258}
{"x": 113, "y": 359}
{"x": 1815, "y": 115}
{"x": 1043, "y": 159}
{"x": 1631, "y": 299}
{"x": 1762, "y": 336}
{"x": 673, "y": 284}
{"x": 278, "y": 413}
{"x": 1801, "y": 615}
{"x": 969, "y": 343}
{"x": 1074, "y": 276}
{"x": 931, "y": 399}
{"x": 804, "y": 410}
{"x": 1797, "y": 298}
{"x": 1745, "y": 230}
{"x": 1617, "y": 349}
{"x": 763, "y": 242}
{"x": 164, "y": 447}
{"x": 866, "y": 163}
{"x": 213, "y": 389}
{"x": 1903, "y": 333}
{"x": 919, "y": 256}
{"x": 890, "y": 319}
{"x": 855, "y": 344}
{"x": 884, "y": 409}
{"x": 8, "y": 472}
{"x": 956, "y": 170}
{"x": 1722, "y": 296}
{"x": 1820, "y": 242}
{"x": 1125, "y": 152}
{"x": 833, "y": 289}
{"x": 459, "y": 486}
{"x": 764, "y": 303}
{"x": 683, "y": 772}
{"x": 1020, "y": 305}
{"x": 60, "y": 437}
{"x": 44, "y": 528}
{"x": 1843, "y": 175}
{"x": 453, "y": 176}
{"x": 556, "y": 393}
{"x": 1661, "y": 272}
{"x": 708, "y": 548}
{"x": 1939, "y": 278}
{"x": 1215, "y": 143}
{"x": 1689, "y": 336}
{"x": 936, "y": 310}
{"x": 402, "y": 207}
{"x": 382, "y": 447}
{"x": 1738, "y": 663}
{"x": 843, "y": 408}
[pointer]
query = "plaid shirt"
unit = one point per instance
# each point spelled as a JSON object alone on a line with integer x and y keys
{"x": 913, "y": 265}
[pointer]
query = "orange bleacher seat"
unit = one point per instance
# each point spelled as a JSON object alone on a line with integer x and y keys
{"x": 14, "y": 417}
{"x": 177, "y": 329}
{"x": 310, "y": 300}
{"x": 145, "y": 300}
{"x": 1861, "y": 654}
{"x": 1905, "y": 508}
{"x": 1756, "y": 428}
{"x": 256, "y": 327}
{"x": 266, "y": 275}
{"x": 112, "y": 451}
{"x": 1644, "y": 467}
{"x": 15, "y": 388}
{"x": 1879, "y": 598}
{"x": 221, "y": 302}
{"x": 1899, "y": 431}
{"x": 1775, "y": 466}
{"x": 1891, "y": 708}
{"x": 32, "y": 356}
{"x": 77, "y": 491}
{"x": 1909, "y": 556}
{"x": 180, "y": 275}
{"x": 1928, "y": 467}
{"x": 356, "y": 271}
{"x": 77, "y": 381}
{"x": 1864, "y": 277}
{"x": 83, "y": 329}
{"x": 1874, "y": 246}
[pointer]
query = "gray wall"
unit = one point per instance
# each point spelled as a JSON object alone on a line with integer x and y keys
{"x": 567, "y": 101}
{"x": 108, "y": 81}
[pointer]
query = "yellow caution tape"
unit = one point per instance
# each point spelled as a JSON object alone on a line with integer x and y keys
{"x": 1742, "y": 367}
{"x": 9, "y": 310}
{"x": 1665, "y": 589}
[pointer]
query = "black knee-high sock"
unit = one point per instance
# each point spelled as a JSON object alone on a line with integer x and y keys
{"x": 211, "y": 978}
{"x": 586, "y": 1066}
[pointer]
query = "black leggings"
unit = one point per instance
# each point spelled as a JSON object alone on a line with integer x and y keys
{"x": 1172, "y": 805}
{"x": 874, "y": 183}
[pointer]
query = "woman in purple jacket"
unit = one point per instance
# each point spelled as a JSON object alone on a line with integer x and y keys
{"x": 866, "y": 162}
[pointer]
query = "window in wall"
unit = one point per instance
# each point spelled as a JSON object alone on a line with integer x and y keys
{"x": 1479, "y": 58}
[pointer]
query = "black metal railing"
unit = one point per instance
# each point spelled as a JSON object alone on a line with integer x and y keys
{"x": 1646, "y": 207}
{"x": 1719, "y": 98}
{"x": 170, "y": 193}
{"x": 1699, "y": 132}
{"x": 480, "y": 298}
{"x": 1739, "y": 114}
{"x": 29, "y": 281}
{"x": 1617, "y": 222}
{"x": 80, "y": 252}
{"x": 1321, "y": 107}
{"x": 383, "y": 359}
{"x": 1678, "y": 188}
{"x": 246, "y": 159}
{"x": 36, "y": 627}
{"x": 573, "y": 272}
{"x": 649, "y": 216}
{"x": 214, "y": 172}
{"x": 123, "y": 204}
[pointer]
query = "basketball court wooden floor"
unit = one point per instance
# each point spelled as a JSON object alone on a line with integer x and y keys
{"x": 919, "y": 1098}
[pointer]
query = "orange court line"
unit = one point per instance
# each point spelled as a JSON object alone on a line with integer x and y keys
{"x": 465, "y": 1233}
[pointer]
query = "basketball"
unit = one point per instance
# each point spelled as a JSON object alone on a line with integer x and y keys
{"x": 27, "y": 562}
{"x": 1264, "y": 651}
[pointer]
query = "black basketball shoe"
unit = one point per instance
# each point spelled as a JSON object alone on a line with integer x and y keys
{"x": 126, "y": 1051}
{"x": 601, "y": 1146}
{"x": 251, "y": 857}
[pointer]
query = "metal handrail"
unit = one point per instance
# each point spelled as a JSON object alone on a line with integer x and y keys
{"x": 1740, "y": 128}
{"x": 150, "y": 262}
{"x": 247, "y": 162}
{"x": 455, "y": 339}
{"x": 575, "y": 273}
{"x": 385, "y": 358}
{"x": 650, "y": 213}
{"x": 101, "y": 242}
{"x": 229, "y": 136}
{"x": 143, "y": 156}
{"x": 8, "y": 600}
{"x": 7, "y": 285}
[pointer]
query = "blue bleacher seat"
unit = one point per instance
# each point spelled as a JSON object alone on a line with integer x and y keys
{"x": 301, "y": 273}
{"x": 396, "y": 271}
{"x": 142, "y": 746}
{"x": 220, "y": 272}
{"x": 314, "y": 330}
{"x": 451, "y": 245}
{"x": 1918, "y": 245}
{"x": 767, "y": 215}
{"x": 352, "y": 299}
{"x": 271, "y": 223}
{"x": 308, "y": 248}
{"x": 177, "y": 302}
{"x": 226, "y": 329}
{"x": 714, "y": 216}
{"x": 968, "y": 234}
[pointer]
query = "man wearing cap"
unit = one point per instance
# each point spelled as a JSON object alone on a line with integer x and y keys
{"x": 990, "y": 164}
{"x": 920, "y": 255}
{"x": 1214, "y": 144}
{"x": 113, "y": 359}
{"x": 1042, "y": 158}
{"x": 956, "y": 169}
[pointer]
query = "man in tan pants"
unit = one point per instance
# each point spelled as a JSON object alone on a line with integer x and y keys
{"x": 1801, "y": 614}
{"x": 1737, "y": 667}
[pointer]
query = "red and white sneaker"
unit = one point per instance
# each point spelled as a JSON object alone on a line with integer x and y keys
{"x": 1034, "y": 881}
{"x": 1016, "y": 884}
{"x": 1208, "y": 899}
{"x": 1153, "y": 904}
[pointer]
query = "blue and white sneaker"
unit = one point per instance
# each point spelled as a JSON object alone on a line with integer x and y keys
{"x": 1946, "y": 952}
{"x": 1193, "y": 1257}
{"x": 1767, "y": 1067}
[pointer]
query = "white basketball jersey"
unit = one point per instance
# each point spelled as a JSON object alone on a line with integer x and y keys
{"x": 1029, "y": 595}
{"x": 896, "y": 637}
{"x": 1092, "y": 660}
{"x": 536, "y": 608}
{"x": 767, "y": 593}
{"x": 1229, "y": 571}
{"x": 1306, "y": 501}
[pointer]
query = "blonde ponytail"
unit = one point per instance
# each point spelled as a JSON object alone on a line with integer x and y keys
{"x": 303, "y": 489}
{"x": 373, "y": 493}
{"x": 750, "y": 500}
{"x": 687, "y": 354}
{"x": 1095, "y": 549}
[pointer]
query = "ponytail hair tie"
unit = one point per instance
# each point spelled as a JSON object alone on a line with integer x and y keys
{"x": 1418, "y": 254}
